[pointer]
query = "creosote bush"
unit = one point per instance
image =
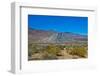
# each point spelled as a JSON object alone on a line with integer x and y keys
{"x": 33, "y": 48}
{"x": 80, "y": 51}
{"x": 51, "y": 51}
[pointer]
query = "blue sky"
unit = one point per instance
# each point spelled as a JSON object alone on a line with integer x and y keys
{"x": 78, "y": 25}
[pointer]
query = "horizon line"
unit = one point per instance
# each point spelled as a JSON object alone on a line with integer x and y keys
{"x": 57, "y": 31}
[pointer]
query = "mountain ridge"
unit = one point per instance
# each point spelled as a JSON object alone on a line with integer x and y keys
{"x": 49, "y": 36}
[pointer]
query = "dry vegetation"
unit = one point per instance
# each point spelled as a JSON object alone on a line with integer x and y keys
{"x": 55, "y": 51}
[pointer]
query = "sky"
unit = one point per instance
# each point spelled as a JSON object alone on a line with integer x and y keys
{"x": 73, "y": 24}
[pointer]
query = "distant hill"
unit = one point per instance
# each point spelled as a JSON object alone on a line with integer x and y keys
{"x": 42, "y": 36}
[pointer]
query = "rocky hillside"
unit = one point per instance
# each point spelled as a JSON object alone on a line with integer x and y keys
{"x": 41, "y": 36}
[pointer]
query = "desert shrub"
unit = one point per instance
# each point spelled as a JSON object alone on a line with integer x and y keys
{"x": 61, "y": 47}
{"x": 30, "y": 50}
{"x": 33, "y": 48}
{"x": 80, "y": 51}
{"x": 51, "y": 51}
{"x": 29, "y": 53}
{"x": 47, "y": 56}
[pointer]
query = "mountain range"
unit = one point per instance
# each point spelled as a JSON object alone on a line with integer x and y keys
{"x": 50, "y": 36}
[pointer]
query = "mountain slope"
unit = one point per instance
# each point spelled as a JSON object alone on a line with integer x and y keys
{"x": 41, "y": 36}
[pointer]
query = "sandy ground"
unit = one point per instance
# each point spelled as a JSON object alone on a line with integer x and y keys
{"x": 62, "y": 55}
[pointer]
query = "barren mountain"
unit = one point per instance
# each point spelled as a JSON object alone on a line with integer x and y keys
{"x": 42, "y": 36}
